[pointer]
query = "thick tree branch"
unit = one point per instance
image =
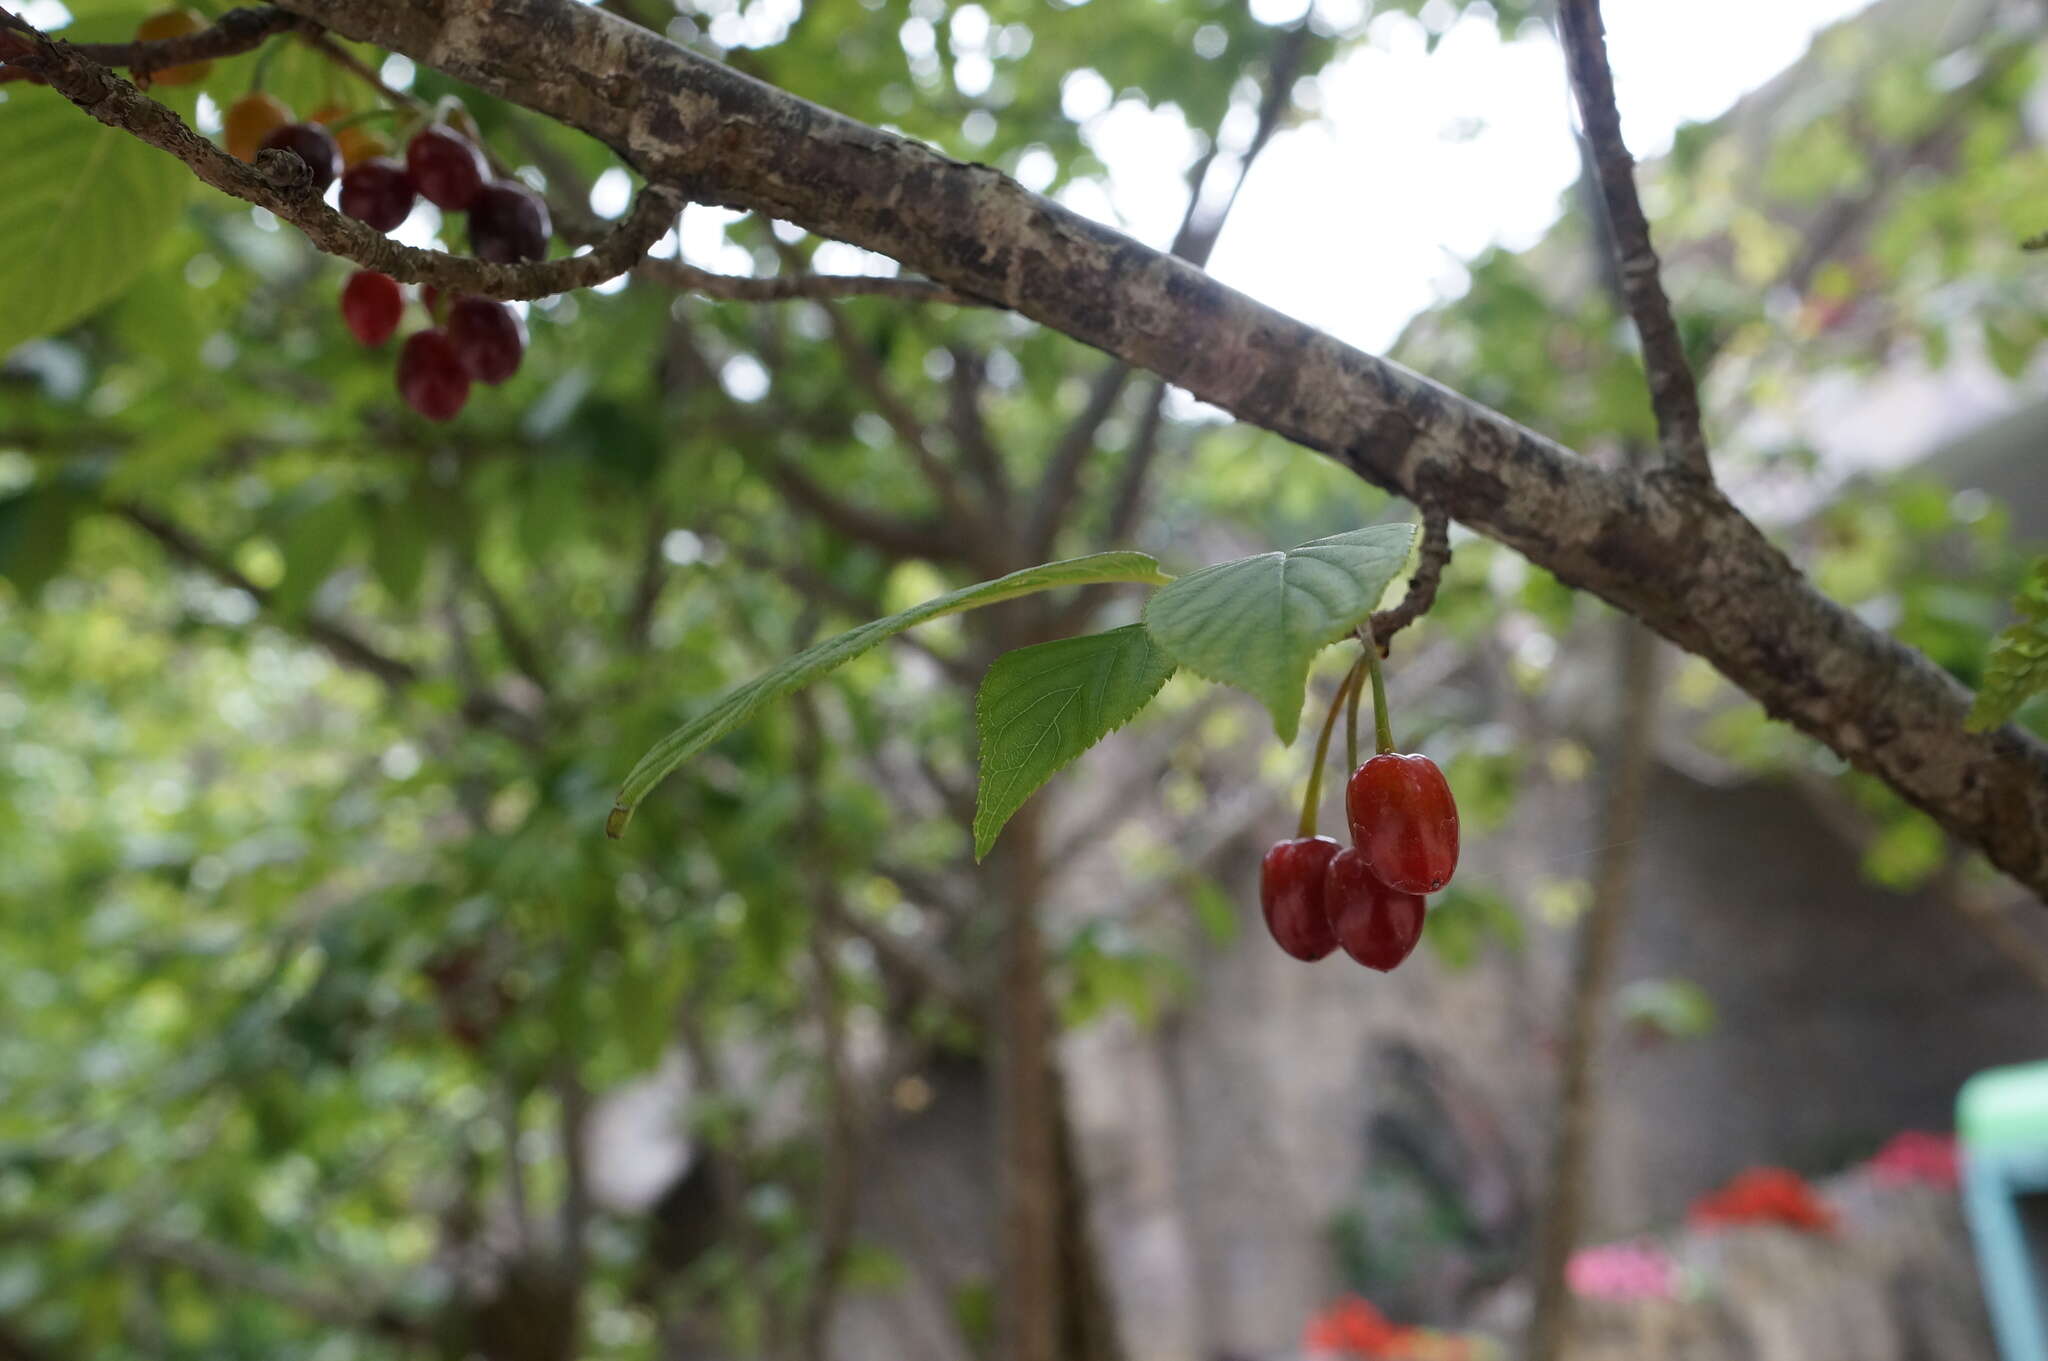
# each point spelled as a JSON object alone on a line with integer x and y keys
{"x": 1673, "y": 395}
{"x": 789, "y": 287}
{"x": 1668, "y": 549}
{"x": 278, "y": 182}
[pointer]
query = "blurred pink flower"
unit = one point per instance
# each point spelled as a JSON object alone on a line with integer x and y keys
{"x": 1915, "y": 1156}
{"x": 1622, "y": 1271}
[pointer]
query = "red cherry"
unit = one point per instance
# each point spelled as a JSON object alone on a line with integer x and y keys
{"x": 1377, "y": 926}
{"x": 445, "y": 167}
{"x": 377, "y": 192}
{"x": 371, "y": 304}
{"x": 312, "y": 144}
{"x": 1404, "y": 821}
{"x": 489, "y": 336}
{"x": 1291, "y": 895}
{"x": 430, "y": 298}
{"x": 431, "y": 377}
{"x": 508, "y": 223}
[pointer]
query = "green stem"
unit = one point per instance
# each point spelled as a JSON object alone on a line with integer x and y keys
{"x": 260, "y": 70}
{"x": 1351, "y": 719}
{"x": 1383, "y": 728}
{"x": 365, "y": 116}
{"x": 1314, "y": 798}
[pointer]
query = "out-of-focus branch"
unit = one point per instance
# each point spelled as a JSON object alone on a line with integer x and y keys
{"x": 1193, "y": 241}
{"x": 1673, "y": 394}
{"x": 1627, "y": 769}
{"x": 341, "y": 640}
{"x": 221, "y": 1266}
{"x": 843, "y": 1143}
{"x": 971, "y": 432}
{"x": 888, "y": 534}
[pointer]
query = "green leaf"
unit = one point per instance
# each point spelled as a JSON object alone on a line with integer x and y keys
{"x": 1676, "y": 1008}
{"x": 738, "y": 705}
{"x": 1259, "y": 622}
{"x": 35, "y": 535}
{"x": 312, "y": 543}
{"x": 1042, "y": 706}
{"x": 83, "y": 208}
{"x": 2018, "y": 666}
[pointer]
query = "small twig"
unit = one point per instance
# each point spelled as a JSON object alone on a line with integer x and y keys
{"x": 1673, "y": 394}
{"x": 278, "y": 181}
{"x": 235, "y": 32}
{"x": 792, "y": 287}
{"x": 1421, "y": 594}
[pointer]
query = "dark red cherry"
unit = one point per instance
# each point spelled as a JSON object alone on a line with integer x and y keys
{"x": 508, "y": 223}
{"x": 1404, "y": 821}
{"x": 312, "y": 144}
{"x": 1291, "y": 895}
{"x": 489, "y": 336}
{"x": 431, "y": 377}
{"x": 377, "y": 192}
{"x": 371, "y": 304}
{"x": 1377, "y": 926}
{"x": 445, "y": 167}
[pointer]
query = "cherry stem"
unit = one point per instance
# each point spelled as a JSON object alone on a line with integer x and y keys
{"x": 1383, "y": 727}
{"x": 1351, "y": 719}
{"x": 259, "y": 71}
{"x": 365, "y": 116}
{"x": 1314, "y": 797}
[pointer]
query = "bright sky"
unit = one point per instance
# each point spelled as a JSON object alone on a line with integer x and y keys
{"x": 1356, "y": 222}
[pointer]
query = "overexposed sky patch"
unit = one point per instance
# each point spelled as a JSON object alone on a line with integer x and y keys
{"x": 1356, "y": 221}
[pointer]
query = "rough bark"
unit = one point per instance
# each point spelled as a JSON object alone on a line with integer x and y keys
{"x": 1660, "y": 545}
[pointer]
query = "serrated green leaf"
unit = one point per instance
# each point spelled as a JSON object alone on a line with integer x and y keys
{"x": 1257, "y": 623}
{"x": 738, "y": 705}
{"x": 1042, "y": 706}
{"x": 2017, "y": 669}
{"x": 83, "y": 209}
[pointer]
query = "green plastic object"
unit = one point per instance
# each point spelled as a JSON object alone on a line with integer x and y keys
{"x": 2004, "y": 1108}
{"x": 2002, "y": 1128}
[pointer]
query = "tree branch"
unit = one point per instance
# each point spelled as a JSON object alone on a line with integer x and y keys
{"x": 1673, "y": 394}
{"x": 1668, "y": 549}
{"x": 341, "y": 641}
{"x": 278, "y": 182}
{"x": 236, "y": 32}
{"x": 1193, "y": 241}
{"x": 790, "y": 287}
{"x": 1429, "y": 570}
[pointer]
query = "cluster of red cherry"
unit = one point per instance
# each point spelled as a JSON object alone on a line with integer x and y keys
{"x": 1367, "y": 897}
{"x": 470, "y": 339}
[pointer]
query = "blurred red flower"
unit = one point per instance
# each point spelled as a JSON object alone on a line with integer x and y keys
{"x": 1765, "y": 1195}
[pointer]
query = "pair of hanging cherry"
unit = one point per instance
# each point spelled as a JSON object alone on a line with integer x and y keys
{"x": 1367, "y": 897}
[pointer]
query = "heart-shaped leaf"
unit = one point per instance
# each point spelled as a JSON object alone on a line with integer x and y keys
{"x": 1042, "y": 706}
{"x": 1257, "y": 623}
